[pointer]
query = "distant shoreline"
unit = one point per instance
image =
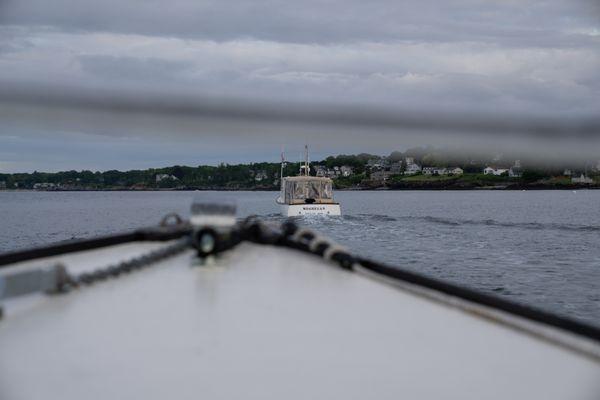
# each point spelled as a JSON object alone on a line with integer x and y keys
{"x": 348, "y": 189}
{"x": 411, "y": 170}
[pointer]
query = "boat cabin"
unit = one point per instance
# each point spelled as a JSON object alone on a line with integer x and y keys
{"x": 307, "y": 190}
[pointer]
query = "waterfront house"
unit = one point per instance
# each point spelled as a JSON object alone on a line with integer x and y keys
{"x": 515, "y": 172}
{"x": 435, "y": 171}
{"x": 378, "y": 162}
{"x": 260, "y": 176}
{"x": 455, "y": 171}
{"x": 346, "y": 170}
{"x": 381, "y": 175}
{"x": 374, "y": 163}
{"x": 582, "y": 179}
{"x": 396, "y": 167}
{"x": 324, "y": 172}
{"x": 494, "y": 171}
{"x": 162, "y": 177}
{"x": 44, "y": 186}
{"x": 412, "y": 169}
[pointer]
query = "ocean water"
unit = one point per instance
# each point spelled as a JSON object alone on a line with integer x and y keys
{"x": 536, "y": 247}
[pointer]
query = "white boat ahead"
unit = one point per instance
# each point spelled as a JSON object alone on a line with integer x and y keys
{"x": 307, "y": 195}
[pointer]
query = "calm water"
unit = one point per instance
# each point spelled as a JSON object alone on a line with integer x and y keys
{"x": 536, "y": 247}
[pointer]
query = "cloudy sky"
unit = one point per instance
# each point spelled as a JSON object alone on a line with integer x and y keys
{"x": 538, "y": 57}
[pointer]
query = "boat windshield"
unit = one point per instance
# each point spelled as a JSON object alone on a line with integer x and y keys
{"x": 308, "y": 189}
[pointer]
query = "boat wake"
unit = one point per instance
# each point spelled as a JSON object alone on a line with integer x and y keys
{"x": 382, "y": 218}
{"x": 494, "y": 223}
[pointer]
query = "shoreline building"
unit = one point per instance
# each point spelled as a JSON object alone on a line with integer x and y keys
{"x": 490, "y": 170}
{"x": 582, "y": 179}
{"x": 411, "y": 167}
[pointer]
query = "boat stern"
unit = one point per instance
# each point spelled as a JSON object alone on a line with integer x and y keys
{"x": 294, "y": 210}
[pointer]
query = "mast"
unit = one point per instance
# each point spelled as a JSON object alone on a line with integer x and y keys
{"x": 282, "y": 168}
{"x": 306, "y": 166}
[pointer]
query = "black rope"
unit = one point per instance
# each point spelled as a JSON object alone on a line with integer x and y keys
{"x": 485, "y": 299}
{"x": 162, "y": 233}
{"x": 288, "y": 235}
{"x": 124, "y": 267}
{"x": 345, "y": 260}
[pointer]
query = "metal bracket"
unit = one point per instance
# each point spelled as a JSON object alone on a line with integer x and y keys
{"x": 19, "y": 283}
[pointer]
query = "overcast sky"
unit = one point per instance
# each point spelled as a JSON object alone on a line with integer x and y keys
{"x": 507, "y": 56}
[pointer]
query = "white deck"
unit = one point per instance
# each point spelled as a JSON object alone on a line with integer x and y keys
{"x": 269, "y": 323}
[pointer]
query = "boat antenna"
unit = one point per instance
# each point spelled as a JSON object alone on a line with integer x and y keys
{"x": 282, "y": 165}
{"x": 306, "y": 167}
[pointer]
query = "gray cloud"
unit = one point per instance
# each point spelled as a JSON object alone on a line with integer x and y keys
{"x": 131, "y": 68}
{"x": 528, "y": 56}
{"x": 314, "y": 21}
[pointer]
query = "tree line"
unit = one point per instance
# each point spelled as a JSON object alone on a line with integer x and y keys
{"x": 262, "y": 175}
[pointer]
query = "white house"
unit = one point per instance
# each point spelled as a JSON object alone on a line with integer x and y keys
{"x": 442, "y": 171}
{"x": 582, "y": 179}
{"x": 515, "y": 172}
{"x": 334, "y": 172}
{"x": 494, "y": 171}
{"x": 346, "y": 170}
{"x": 161, "y": 177}
{"x": 435, "y": 171}
{"x": 412, "y": 169}
{"x": 260, "y": 176}
{"x": 44, "y": 186}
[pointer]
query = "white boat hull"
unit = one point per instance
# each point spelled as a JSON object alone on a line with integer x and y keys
{"x": 294, "y": 210}
{"x": 267, "y": 322}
